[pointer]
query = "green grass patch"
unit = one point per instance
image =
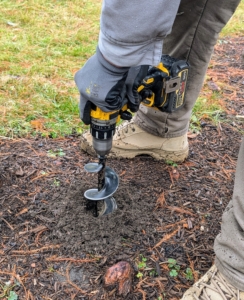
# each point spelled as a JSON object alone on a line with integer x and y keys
{"x": 208, "y": 109}
{"x": 42, "y": 44}
{"x": 236, "y": 24}
{"x": 211, "y": 107}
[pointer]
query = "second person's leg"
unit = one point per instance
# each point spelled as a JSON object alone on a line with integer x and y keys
{"x": 193, "y": 37}
{"x": 194, "y": 34}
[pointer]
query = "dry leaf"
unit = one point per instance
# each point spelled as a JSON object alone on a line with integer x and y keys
{"x": 23, "y": 211}
{"x": 180, "y": 210}
{"x": 160, "y": 201}
{"x": 166, "y": 238}
{"x": 122, "y": 173}
{"x": 37, "y": 124}
{"x": 19, "y": 172}
{"x": 189, "y": 164}
{"x": 121, "y": 275}
{"x": 213, "y": 86}
{"x": 192, "y": 135}
{"x": 175, "y": 174}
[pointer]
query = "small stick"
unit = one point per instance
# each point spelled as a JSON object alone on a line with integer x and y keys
{"x": 165, "y": 238}
{"x": 10, "y": 226}
{"x": 35, "y": 230}
{"x": 43, "y": 175}
{"x": 25, "y": 252}
{"x": 71, "y": 283}
{"x": 71, "y": 259}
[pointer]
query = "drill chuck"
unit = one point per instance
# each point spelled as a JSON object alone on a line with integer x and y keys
{"x": 102, "y": 132}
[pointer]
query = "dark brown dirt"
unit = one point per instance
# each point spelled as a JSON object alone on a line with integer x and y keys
{"x": 56, "y": 249}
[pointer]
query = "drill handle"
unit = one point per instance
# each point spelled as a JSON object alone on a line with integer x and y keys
{"x": 152, "y": 87}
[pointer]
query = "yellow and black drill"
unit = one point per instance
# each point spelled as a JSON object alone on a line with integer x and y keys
{"x": 163, "y": 88}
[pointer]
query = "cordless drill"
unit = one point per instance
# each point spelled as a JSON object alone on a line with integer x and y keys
{"x": 163, "y": 88}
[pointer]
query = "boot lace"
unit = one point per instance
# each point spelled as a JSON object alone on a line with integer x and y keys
{"x": 125, "y": 126}
{"x": 228, "y": 293}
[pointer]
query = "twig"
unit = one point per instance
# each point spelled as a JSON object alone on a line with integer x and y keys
{"x": 23, "y": 211}
{"x": 31, "y": 146}
{"x": 35, "y": 230}
{"x": 139, "y": 289}
{"x": 26, "y": 252}
{"x": 5, "y": 137}
{"x": 39, "y": 234}
{"x": 29, "y": 295}
{"x": 43, "y": 175}
{"x": 165, "y": 238}
{"x": 74, "y": 260}
{"x": 195, "y": 274}
{"x": 10, "y": 226}
{"x": 180, "y": 210}
{"x": 172, "y": 225}
{"x": 71, "y": 283}
{"x": 17, "y": 277}
{"x": 144, "y": 295}
{"x": 3, "y": 259}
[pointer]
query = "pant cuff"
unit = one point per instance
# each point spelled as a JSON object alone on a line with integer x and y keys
{"x": 234, "y": 281}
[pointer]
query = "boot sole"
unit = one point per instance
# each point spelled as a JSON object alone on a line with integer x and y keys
{"x": 175, "y": 156}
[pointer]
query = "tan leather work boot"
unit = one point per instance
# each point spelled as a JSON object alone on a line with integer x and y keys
{"x": 213, "y": 286}
{"x": 130, "y": 141}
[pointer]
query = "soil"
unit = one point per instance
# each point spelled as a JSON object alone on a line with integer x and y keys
{"x": 56, "y": 249}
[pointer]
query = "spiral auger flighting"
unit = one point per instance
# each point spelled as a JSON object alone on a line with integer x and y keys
{"x": 101, "y": 199}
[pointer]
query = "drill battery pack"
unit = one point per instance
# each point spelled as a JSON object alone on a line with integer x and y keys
{"x": 164, "y": 86}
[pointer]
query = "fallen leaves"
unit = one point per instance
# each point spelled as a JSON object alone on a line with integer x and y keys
{"x": 23, "y": 211}
{"x": 160, "y": 201}
{"x": 120, "y": 275}
{"x": 191, "y": 135}
{"x": 174, "y": 174}
{"x": 213, "y": 86}
{"x": 37, "y": 124}
{"x": 180, "y": 210}
{"x": 166, "y": 238}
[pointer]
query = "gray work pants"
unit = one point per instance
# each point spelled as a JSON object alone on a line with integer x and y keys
{"x": 194, "y": 34}
{"x": 229, "y": 244}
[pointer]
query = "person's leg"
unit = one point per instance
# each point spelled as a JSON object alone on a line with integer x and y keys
{"x": 229, "y": 244}
{"x": 194, "y": 34}
{"x": 226, "y": 276}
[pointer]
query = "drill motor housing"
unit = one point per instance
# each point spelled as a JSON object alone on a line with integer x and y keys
{"x": 102, "y": 127}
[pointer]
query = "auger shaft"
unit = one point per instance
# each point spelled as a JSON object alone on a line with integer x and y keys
{"x": 101, "y": 180}
{"x": 101, "y": 173}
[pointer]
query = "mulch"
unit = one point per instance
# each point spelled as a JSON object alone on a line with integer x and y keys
{"x": 51, "y": 247}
